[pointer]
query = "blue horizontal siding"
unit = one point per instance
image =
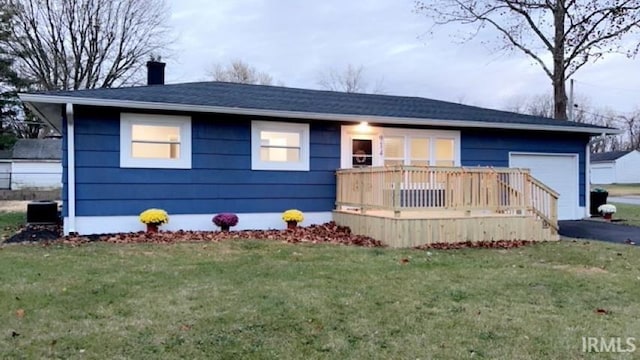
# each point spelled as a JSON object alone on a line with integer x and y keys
{"x": 127, "y": 192}
{"x": 200, "y": 206}
{"x": 220, "y": 179}
{"x": 492, "y": 147}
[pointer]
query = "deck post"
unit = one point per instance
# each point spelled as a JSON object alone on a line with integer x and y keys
{"x": 397, "y": 190}
{"x": 361, "y": 186}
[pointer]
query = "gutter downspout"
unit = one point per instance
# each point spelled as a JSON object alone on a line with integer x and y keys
{"x": 71, "y": 172}
{"x": 587, "y": 183}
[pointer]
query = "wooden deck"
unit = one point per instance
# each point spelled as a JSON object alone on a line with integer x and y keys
{"x": 419, "y": 229}
{"x": 406, "y": 206}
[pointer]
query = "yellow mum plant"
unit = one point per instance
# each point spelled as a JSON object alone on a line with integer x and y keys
{"x": 154, "y": 216}
{"x": 292, "y": 215}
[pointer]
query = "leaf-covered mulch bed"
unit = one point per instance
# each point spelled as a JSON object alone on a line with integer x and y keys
{"x": 36, "y": 233}
{"x": 499, "y": 244}
{"x": 328, "y": 233}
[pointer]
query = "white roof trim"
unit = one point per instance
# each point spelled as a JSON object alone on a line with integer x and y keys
{"x": 53, "y": 99}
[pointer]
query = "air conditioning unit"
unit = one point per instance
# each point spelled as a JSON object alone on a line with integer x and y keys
{"x": 42, "y": 212}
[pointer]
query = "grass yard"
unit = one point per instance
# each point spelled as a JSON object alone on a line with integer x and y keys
{"x": 10, "y": 222}
{"x": 630, "y": 213}
{"x": 620, "y": 189}
{"x": 259, "y": 300}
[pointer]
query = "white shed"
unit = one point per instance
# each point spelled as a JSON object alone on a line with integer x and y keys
{"x": 32, "y": 164}
{"x": 615, "y": 167}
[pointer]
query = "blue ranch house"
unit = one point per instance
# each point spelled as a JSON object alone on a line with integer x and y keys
{"x": 197, "y": 149}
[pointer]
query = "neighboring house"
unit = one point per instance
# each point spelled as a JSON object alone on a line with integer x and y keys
{"x": 197, "y": 149}
{"x": 32, "y": 164}
{"x": 615, "y": 167}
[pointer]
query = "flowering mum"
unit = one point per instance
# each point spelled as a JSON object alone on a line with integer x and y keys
{"x": 292, "y": 215}
{"x": 607, "y": 209}
{"x": 154, "y": 216}
{"x": 225, "y": 219}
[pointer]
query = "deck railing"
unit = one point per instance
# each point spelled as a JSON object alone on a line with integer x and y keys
{"x": 404, "y": 188}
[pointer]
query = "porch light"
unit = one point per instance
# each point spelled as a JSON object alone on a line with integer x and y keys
{"x": 363, "y": 127}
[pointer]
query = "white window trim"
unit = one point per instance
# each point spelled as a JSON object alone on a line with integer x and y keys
{"x": 379, "y": 133}
{"x": 127, "y": 120}
{"x": 302, "y": 129}
{"x": 433, "y": 135}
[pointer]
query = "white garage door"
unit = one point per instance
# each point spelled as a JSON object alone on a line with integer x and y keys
{"x": 559, "y": 172}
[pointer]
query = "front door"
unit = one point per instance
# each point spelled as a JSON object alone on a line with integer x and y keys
{"x": 361, "y": 147}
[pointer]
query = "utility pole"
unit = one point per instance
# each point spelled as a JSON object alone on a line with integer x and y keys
{"x": 570, "y": 99}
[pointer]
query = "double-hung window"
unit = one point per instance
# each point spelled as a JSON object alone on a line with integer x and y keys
{"x": 279, "y": 146}
{"x": 155, "y": 141}
{"x": 421, "y": 147}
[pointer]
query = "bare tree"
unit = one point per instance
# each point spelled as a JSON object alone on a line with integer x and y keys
{"x": 584, "y": 112}
{"x": 76, "y": 44}
{"x": 572, "y": 32}
{"x": 542, "y": 105}
{"x": 537, "y": 105}
{"x": 631, "y": 124}
{"x": 351, "y": 80}
{"x": 16, "y": 122}
{"x": 240, "y": 72}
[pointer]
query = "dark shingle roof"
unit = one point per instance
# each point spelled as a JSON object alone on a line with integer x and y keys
{"x": 38, "y": 149}
{"x": 608, "y": 156}
{"x": 243, "y": 96}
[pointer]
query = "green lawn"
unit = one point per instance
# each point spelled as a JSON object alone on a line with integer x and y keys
{"x": 10, "y": 222}
{"x": 265, "y": 300}
{"x": 629, "y": 213}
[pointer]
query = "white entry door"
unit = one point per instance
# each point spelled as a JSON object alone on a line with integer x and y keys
{"x": 559, "y": 172}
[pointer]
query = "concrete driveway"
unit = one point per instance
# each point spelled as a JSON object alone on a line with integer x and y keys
{"x": 600, "y": 230}
{"x": 628, "y": 199}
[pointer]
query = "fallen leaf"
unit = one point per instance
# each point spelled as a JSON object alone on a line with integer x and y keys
{"x": 185, "y": 327}
{"x": 20, "y": 313}
{"x": 404, "y": 261}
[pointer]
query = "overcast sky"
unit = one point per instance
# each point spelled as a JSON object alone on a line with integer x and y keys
{"x": 295, "y": 40}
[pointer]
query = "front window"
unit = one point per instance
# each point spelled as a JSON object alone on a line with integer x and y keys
{"x": 419, "y": 147}
{"x": 155, "y": 141}
{"x": 279, "y": 146}
{"x": 445, "y": 152}
{"x": 393, "y": 151}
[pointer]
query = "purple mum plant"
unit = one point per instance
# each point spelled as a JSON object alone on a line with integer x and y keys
{"x": 225, "y": 220}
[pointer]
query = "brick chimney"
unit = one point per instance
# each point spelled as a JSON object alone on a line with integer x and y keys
{"x": 155, "y": 72}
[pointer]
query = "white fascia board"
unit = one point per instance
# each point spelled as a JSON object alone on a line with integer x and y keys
{"x": 307, "y": 115}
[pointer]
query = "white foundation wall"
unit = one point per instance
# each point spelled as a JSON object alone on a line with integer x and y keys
{"x": 86, "y": 225}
